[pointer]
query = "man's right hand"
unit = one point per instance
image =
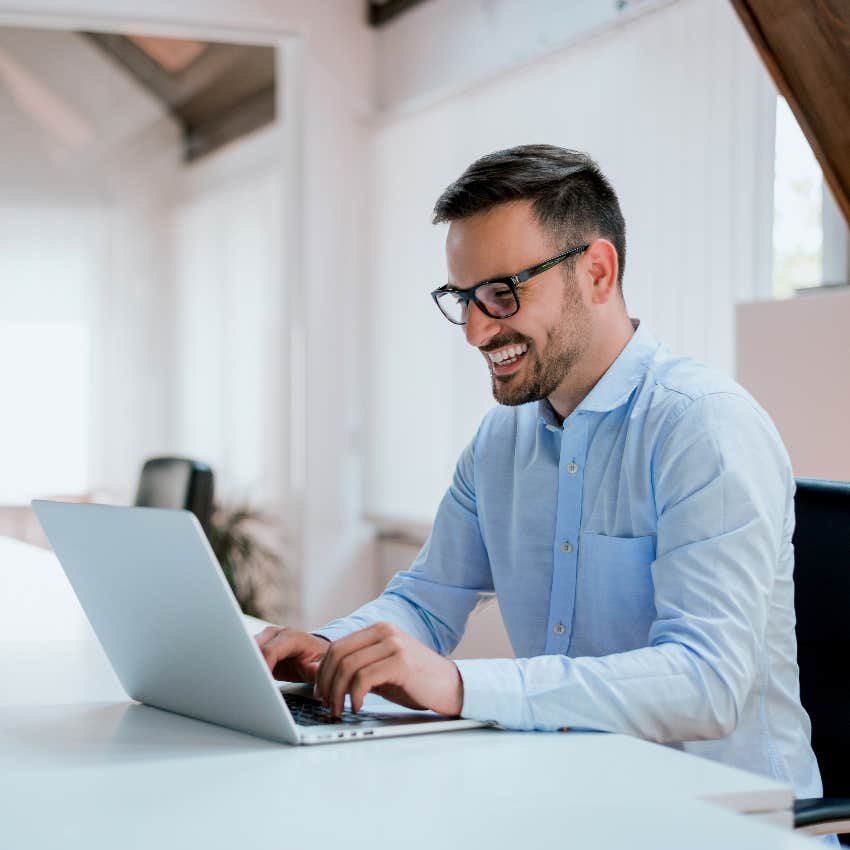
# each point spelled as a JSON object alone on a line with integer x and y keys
{"x": 292, "y": 656}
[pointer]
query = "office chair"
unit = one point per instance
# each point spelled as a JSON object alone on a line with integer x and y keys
{"x": 176, "y": 482}
{"x": 821, "y": 600}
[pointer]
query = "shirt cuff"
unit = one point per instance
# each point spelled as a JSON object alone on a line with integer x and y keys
{"x": 331, "y": 633}
{"x": 493, "y": 691}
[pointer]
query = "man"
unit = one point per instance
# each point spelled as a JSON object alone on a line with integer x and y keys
{"x": 631, "y": 510}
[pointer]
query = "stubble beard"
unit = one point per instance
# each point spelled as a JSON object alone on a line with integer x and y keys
{"x": 551, "y": 365}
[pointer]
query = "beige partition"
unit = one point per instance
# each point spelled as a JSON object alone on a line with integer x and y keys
{"x": 794, "y": 357}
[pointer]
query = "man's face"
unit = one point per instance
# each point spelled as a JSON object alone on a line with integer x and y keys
{"x": 530, "y": 354}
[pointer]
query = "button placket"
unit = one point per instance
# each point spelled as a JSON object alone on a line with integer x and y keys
{"x": 570, "y": 489}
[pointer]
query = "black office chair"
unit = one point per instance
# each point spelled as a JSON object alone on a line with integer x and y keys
{"x": 177, "y": 482}
{"x": 822, "y": 600}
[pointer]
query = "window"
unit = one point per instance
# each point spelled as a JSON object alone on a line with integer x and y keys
{"x": 811, "y": 244}
{"x": 798, "y": 206}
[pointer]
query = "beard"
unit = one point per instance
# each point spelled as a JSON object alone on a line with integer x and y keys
{"x": 545, "y": 370}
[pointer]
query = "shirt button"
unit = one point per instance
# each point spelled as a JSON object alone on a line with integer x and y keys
{"x": 560, "y": 629}
{"x": 566, "y": 546}
{"x": 572, "y": 468}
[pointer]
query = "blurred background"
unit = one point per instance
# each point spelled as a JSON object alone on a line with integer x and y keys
{"x": 215, "y": 244}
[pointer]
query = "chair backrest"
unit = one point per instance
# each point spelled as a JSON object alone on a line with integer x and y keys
{"x": 177, "y": 482}
{"x": 822, "y": 601}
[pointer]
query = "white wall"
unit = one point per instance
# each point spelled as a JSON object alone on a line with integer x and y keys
{"x": 80, "y": 246}
{"x": 678, "y": 111}
{"x": 230, "y": 344}
{"x": 172, "y": 272}
{"x": 225, "y": 224}
{"x": 443, "y": 47}
{"x": 326, "y": 104}
{"x": 372, "y": 364}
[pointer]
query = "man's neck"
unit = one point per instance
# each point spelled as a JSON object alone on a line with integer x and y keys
{"x": 586, "y": 374}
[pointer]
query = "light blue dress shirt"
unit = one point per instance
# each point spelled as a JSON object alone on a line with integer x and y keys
{"x": 641, "y": 555}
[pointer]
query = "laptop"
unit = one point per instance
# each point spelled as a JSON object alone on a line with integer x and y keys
{"x": 173, "y": 631}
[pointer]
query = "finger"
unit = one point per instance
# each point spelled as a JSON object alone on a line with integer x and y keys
{"x": 335, "y": 657}
{"x": 348, "y": 668}
{"x": 280, "y": 647}
{"x": 266, "y": 635}
{"x": 344, "y": 646}
{"x": 387, "y": 671}
{"x": 308, "y": 671}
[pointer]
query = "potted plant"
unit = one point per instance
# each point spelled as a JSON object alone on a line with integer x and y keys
{"x": 242, "y": 538}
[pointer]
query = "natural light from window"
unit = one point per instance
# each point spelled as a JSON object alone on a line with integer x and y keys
{"x": 44, "y": 430}
{"x": 798, "y": 209}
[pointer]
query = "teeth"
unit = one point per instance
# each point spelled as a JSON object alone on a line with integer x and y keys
{"x": 508, "y": 353}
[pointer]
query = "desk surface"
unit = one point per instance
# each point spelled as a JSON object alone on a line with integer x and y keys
{"x": 92, "y": 769}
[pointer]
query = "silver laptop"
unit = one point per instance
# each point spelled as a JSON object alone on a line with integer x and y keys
{"x": 172, "y": 630}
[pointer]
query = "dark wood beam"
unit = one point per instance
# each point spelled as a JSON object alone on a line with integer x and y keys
{"x": 217, "y": 62}
{"x": 382, "y": 12}
{"x": 249, "y": 115}
{"x": 228, "y": 90}
{"x": 805, "y": 47}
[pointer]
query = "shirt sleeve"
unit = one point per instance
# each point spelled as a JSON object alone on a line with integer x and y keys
{"x": 722, "y": 483}
{"x": 450, "y": 576}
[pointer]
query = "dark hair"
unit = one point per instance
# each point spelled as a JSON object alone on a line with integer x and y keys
{"x": 570, "y": 196}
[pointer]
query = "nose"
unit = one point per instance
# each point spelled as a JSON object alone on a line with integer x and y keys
{"x": 479, "y": 327}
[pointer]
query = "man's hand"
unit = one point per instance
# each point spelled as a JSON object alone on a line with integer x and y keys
{"x": 292, "y": 656}
{"x": 389, "y": 662}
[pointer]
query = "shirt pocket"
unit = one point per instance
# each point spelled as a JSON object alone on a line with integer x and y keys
{"x": 618, "y": 591}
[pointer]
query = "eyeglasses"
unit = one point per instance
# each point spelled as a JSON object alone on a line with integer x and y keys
{"x": 496, "y": 298}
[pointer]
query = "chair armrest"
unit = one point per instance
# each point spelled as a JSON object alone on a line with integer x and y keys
{"x": 822, "y": 815}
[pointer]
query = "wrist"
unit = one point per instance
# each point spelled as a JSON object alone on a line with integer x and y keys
{"x": 457, "y": 701}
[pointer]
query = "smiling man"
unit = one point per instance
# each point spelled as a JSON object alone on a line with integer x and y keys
{"x": 631, "y": 510}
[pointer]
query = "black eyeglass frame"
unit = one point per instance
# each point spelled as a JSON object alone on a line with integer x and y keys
{"x": 512, "y": 282}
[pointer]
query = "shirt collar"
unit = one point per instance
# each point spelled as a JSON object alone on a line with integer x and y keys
{"x": 615, "y": 387}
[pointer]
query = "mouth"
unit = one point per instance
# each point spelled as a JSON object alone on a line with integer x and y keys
{"x": 507, "y": 360}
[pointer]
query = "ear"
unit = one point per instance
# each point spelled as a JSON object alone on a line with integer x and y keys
{"x": 602, "y": 266}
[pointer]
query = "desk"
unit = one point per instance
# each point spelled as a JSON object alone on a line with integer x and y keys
{"x": 36, "y": 600}
{"x": 85, "y": 767}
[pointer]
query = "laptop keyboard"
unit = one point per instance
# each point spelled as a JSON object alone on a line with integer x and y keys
{"x": 309, "y": 712}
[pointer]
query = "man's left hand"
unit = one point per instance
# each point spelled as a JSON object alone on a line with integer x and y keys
{"x": 385, "y": 660}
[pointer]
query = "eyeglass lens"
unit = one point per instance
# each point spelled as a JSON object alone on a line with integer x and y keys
{"x": 497, "y": 299}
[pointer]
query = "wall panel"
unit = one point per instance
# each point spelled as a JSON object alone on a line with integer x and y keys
{"x": 678, "y": 111}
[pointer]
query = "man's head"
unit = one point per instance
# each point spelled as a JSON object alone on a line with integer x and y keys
{"x": 508, "y": 212}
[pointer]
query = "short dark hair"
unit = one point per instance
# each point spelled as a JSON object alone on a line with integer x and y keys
{"x": 570, "y": 196}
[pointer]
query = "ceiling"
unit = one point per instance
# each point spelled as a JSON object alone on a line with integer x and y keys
{"x": 216, "y": 92}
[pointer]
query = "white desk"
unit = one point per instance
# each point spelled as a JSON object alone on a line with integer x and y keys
{"x": 36, "y": 600}
{"x": 84, "y": 767}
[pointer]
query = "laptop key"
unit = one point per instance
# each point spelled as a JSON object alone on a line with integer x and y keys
{"x": 308, "y": 712}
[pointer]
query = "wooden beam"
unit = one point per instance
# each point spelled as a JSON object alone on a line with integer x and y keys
{"x": 805, "y": 47}
{"x": 226, "y": 92}
{"x": 382, "y": 11}
{"x": 249, "y": 115}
